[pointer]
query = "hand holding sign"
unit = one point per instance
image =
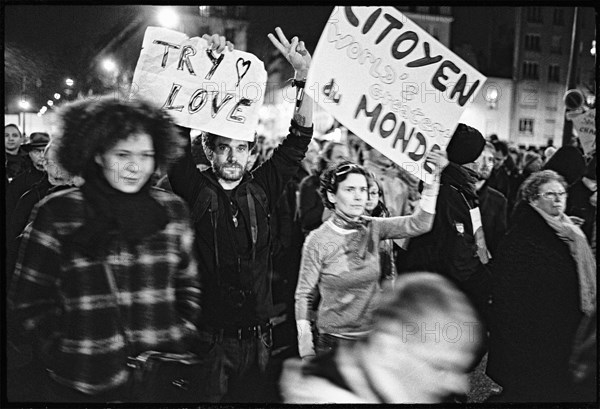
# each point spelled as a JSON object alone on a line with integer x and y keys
{"x": 295, "y": 52}
{"x": 217, "y": 42}
{"x": 439, "y": 159}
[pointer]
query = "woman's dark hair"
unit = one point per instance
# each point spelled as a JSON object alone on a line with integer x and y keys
{"x": 531, "y": 187}
{"x": 380, "y": 210}
{"x": 92, "y": 126}
{"x": 333, "y": 175}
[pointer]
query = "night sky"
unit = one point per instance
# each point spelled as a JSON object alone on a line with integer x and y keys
{"x": 53, "y": 41}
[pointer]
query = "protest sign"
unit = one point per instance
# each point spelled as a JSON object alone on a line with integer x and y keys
{"x": 585, "y": 126}
{"x": 391, "y": 83}
{"x": 217, "y": 93}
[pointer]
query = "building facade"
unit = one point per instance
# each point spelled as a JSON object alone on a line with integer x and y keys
{"x": 436, "y": 20}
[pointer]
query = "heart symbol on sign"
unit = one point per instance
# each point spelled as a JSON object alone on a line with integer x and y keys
{"x": 239, "y": 67}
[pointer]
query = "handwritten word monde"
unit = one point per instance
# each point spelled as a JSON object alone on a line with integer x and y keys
{"x": 412, "y": 38}
{"x": 200, "y": 96}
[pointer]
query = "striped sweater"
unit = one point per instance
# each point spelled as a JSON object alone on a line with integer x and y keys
{"x": 63, "y": 298}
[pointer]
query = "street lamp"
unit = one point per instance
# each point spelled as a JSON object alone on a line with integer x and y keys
{"x": 167, "y": 17}
{"x": 24, "y": 104}
{"x": 56, "y": 96}
{"x": 50, "y": 102}
{"x": 109, "y": 65}
{"x": 69, "y": 82}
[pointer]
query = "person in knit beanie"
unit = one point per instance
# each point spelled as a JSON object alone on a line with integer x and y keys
{"x": 455, "y": 247}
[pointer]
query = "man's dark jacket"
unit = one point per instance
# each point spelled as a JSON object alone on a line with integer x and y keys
{"x": 21, "y": 184}
{"x": 493, "y": 216}
{"x": 238, "y": 293}
{"x": 449, "y": 248}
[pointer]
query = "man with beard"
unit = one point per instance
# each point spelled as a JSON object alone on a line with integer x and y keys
{"x": 230, "y": 209}
{"x": 492, "y": 203}
{"x": 455, "y": 247}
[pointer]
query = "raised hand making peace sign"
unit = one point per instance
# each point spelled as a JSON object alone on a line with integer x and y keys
{"x": 295, "y": 52}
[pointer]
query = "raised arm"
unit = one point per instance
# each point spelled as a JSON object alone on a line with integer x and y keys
{"x": 299, "y": 58}
{"x": 421, "y": 221}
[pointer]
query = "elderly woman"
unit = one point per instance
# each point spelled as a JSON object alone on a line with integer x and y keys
{"x": 116, "y": 229}
{"x": 544, "y": 282}
{"x": 340, "y": 259}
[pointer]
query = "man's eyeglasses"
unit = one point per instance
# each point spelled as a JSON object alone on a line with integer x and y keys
{"x": 553, "y": 195}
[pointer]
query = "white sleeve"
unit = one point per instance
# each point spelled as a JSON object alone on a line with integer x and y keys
{"x": 305, "y": 338}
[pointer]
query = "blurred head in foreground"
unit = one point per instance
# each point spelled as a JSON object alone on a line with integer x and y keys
{"x": 425, "y": 339}
{"x": 424, "y": 342}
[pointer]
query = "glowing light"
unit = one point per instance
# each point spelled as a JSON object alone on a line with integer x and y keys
{"x": 56, "y": 96}
{"x": 69, "y": 82}
{"x": 109, "y": 65}
{"x": 24, "y": 104}
{"x": 50, "y": 102}
{"x": 167, "y": 17}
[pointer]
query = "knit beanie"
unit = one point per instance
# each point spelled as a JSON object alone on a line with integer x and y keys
{"x": 466, "y": 145}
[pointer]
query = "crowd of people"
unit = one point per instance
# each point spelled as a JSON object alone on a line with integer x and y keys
{"x": 373, "y": 286}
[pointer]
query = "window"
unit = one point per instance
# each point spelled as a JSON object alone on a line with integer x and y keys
{"x": 555, "y": 45}
{"x": 433, "y": 30}
{"x": 528, "y": 97}
{"x": 526, "y": 126}
{"x": 549, "y": 128}
{"x": 552, "y": 101}
{"x": 559, "y": 17}
{"x": 532, "y": 42}
{"x": 530, "y": 70}
{"x": 553, "y": 73}
{"x": 534, "y": 14}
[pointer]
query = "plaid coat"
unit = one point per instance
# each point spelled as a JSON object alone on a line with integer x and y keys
{"x": 63, "y": 298}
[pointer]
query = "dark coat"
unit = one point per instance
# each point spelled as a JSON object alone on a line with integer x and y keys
{"x": 237, "y": 290}
{"x": 450, "y": 248}
{"x": 535, "y": 311}
{"x": 21, "y": 184}
{"x": 311, "y": 207}
{"x": 578, "y": 204}
{"x": 493, "y": 216}
{"x": 500, "y": 180}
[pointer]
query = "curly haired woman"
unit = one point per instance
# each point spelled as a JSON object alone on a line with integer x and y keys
{"x": 115, "y": 226}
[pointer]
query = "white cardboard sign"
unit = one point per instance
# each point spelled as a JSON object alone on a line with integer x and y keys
{"x": 585, "y": 126}
{"x": 217, "y": 93}
{"x": 391, "y": 83}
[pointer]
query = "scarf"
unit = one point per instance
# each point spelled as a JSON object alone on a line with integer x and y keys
{"x": 462, "y": 178}
{"x": 132, "y": 216}
{"x": 342, "y": 221}
{"x": 581, "y": 253}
